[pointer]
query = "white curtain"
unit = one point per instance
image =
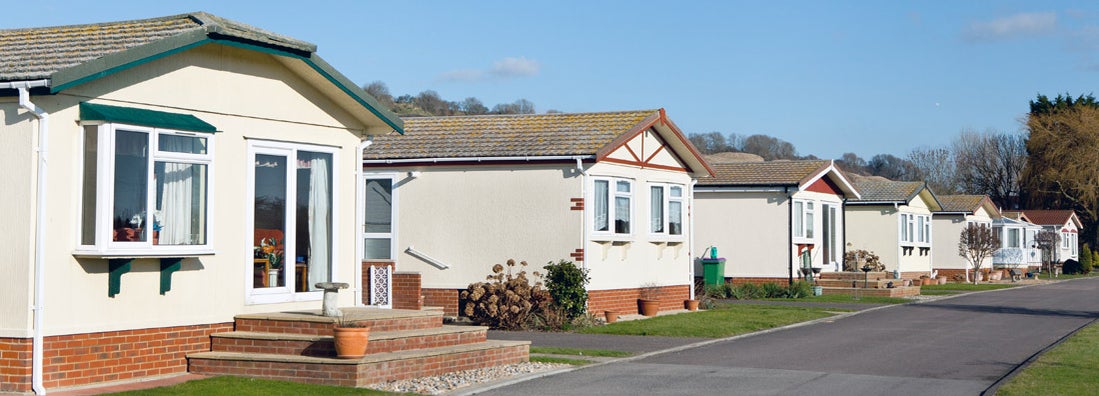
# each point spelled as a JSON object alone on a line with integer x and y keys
{"x": 176, "y": 204}
{"x": 320, "y": 220}
{"x": 602, "y": 191}
{"x": 656, "y": 209}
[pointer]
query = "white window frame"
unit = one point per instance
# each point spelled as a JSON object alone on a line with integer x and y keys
{"x": 908, "y": 229}
{"x": 282, "y": 294}
{"x": 804, "y": 219}
{"x": 392, "y": 234}
{"x": 612, "y": 194}
{"x": 104, "y": 245}
{"x": 666, "y": 200}
{"x": 923, "y": 231}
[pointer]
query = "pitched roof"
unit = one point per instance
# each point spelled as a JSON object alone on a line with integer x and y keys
{"x": 1015, "y": 214}
{"x": 888, "y": 190}
{"x": 965, "y": 203}
{"x": 67, "y": 56}
{"x": 768, "y": 173}
{"x": 1050, "y": 217}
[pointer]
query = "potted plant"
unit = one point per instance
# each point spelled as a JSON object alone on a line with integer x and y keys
{"x": 611, "y": 316}
{"x": 351, "y": 338}
{"x": 690, "y": 305}
{"x": 649, "y": 303}
{"x": 271, "y": 249}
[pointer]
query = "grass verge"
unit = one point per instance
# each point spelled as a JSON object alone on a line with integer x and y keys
{"x": 239, "y": 386}
{"x": 723, "y": 321}
{"x": 968, "y": 286}
{"x": 579, "y": 352}
{"x": 552, "y": 359}
{"x": 1067, "y": 369}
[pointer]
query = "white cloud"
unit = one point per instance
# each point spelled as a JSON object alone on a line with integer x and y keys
{"x": 505, "y": 68}
{"x": 1018, "y": 25}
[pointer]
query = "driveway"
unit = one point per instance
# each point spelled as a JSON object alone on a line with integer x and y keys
{"x": 956, "y": 346}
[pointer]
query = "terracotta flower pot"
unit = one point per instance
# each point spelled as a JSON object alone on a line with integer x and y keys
{"x": 351, "y": 342}
{"x": 690, "y": 305}
{"x": 648, "y": 307}
{"x": 611, "y": 316}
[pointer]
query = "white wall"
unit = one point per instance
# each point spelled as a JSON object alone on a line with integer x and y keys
{"x": 749, "y": 229}
{"x": 18, "y": 137}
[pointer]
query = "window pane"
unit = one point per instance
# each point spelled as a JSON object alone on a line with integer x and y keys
{"x": 181, "y": 144}
{"x": 91, "y": 176}
{"x": 180, "y": 216}
{"x": 1013, "y": 237}
{"x": 602, "y": 199}
{"x": 378, "y": 249}
{"x": 270, "y": 219}
{"x": 809, "y": 216}
{"x": 675, "y": 218}
{"x": 623, "y": 187}
{"x": 656, "y": 209}
{"x": 379, "y": 206}
{"x": 622, "y": 215}
{"x": 131, "y": 185}
{"x": 675, "y": 191}
{"x": 799, "y": 219}
{"x": 313, "y": 245}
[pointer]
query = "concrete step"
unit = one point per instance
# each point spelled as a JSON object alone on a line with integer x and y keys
{"x": 871, "y": 283}
{"x": 850, "y": 276}
{"x": 323, "y": 346}
{"x": 311, "y": 322}
{"x": 373, "y": 368}
{"x": 901, "y": 291}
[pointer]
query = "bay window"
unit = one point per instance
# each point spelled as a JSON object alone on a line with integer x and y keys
{"x": 666, "y": 209}
{"x": 611, "y": 204}
{"x": 145, "y": 189}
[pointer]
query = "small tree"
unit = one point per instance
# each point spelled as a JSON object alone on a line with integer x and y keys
{"x": 567, "y": 284}
{"x": 1086, "y": 257}
{"x": 1046, "y": 241}
{"x": 977, "y": 243}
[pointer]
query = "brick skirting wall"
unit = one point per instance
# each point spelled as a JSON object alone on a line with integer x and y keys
{"x": 446, "y": 298}
{"x": 15, "y": 365}
{"x": 914, "y": 274}
{"x": 90, "y": 358}
{"x": 406, "y": 291}
{"x": 624, "y": 301}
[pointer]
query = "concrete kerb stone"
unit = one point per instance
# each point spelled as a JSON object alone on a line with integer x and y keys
{"x": 475, "y": 389}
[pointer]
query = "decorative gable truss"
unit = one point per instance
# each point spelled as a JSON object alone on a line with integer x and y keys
{"x": 646, "y": 149}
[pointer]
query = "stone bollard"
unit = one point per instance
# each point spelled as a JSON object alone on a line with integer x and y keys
{"x": 330, "y": 305}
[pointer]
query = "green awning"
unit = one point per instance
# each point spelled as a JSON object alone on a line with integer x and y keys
{"x": 143, "y": 117}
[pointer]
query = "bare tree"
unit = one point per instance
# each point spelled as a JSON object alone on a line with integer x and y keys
{"x": 936, "y": 167}
{"x": 1047, "y": 240}
{"x": 1061, "y": 170}
{"x": 851, "y": 162}
{"x": 380, "y": 91}
{"x": 991, "y": 163}
{"x": 473, "y": 106}
{"x": 768, "y": 147}
{"x": 976, "y": 244}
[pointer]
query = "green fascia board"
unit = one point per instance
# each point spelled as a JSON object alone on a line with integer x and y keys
{"x": 143, "y": 117}
{"x": 110, "y": 64}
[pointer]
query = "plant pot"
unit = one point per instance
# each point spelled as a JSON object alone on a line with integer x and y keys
{"x": 648, "y": 307}
{"x": 690, "y": 305}
{"x": 818, "y": 290}
{"x": 273, "y": 277}
{"x": 942, "y": 280}
{"x": 611, "y": 316}
{"x": 351, "y": 341}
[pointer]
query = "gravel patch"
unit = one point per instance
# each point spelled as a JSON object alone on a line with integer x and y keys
{"x": 440, "y": 384}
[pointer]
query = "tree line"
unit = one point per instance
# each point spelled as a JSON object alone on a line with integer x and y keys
{"x": 429, "y": 103}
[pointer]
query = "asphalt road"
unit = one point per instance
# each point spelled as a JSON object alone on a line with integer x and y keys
{"x": 957, "y": 346}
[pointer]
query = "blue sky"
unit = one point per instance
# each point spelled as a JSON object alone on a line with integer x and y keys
{"x": 828, "y": 76}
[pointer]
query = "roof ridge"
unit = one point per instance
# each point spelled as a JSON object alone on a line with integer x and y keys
{"x": 525, "y": 115}
{"x": 161, "y": 18}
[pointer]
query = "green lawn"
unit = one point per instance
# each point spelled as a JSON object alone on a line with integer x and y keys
{"x": 238, "y": 386}
{"x": 579, "y": 352}
{"x": 723, "y": 321}
{"x": 969, "y": 286}
{"x": 1067, "y": 369}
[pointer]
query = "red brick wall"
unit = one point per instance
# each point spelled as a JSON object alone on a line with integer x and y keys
{"x": 446, "y": 298}
{"x": 406, "y": 291}
{"x": 624, "y": 301}
{"x": 914, "y": 274}
{"x": 89, "y": 358}
{"x": 15, "y": 365}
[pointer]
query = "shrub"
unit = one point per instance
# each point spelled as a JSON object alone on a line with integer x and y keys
{"x": 506, "y": 300}
{"x": 1071, "y": 266}
{"x": 773, "y": 290}
{"x": 853, "y": 260}
{"x": 747, "y": 291}
{"x": 799, "y": 289}
{"x": 567, "y": 285}
{"x": 716, "y": 291}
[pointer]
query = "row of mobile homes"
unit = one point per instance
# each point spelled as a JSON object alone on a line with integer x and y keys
{"x": 892, "y": 219}
{"x": 957, "y": 213}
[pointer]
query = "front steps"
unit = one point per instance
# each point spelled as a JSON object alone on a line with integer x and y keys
{"x": 298, "y": 346}
{"x": 865, "y": 284}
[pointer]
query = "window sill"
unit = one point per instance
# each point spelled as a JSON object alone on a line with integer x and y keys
{"x": 666, "y": 239}
{"x": 613, "y": 238}
{"x": 142, "y": 253}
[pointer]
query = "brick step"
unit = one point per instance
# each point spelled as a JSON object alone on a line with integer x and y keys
{"x": 371, "y": 369}
{"x": 322, "y": 345}
{"x": 900, "y": 291}
{"x": 850, "y": 276}
{"x": 313, "y": 323}
{"x": 872, "y": 283}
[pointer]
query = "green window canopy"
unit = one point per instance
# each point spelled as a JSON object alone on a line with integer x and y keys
{"x": 143, "y": 117}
